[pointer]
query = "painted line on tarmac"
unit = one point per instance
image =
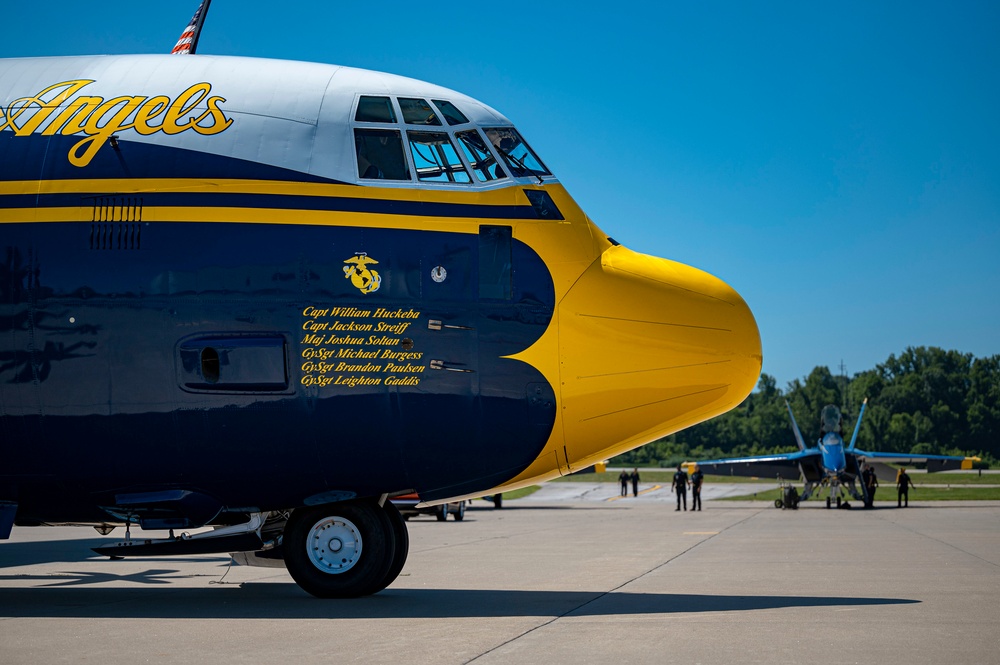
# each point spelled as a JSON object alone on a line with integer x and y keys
{"x": 645, "y": 491}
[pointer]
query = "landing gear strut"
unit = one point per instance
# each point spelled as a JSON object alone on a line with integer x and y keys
{"x": 347, "y": 549}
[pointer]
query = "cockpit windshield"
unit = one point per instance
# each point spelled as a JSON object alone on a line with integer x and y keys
{"x": 435, "y": 158}
{"x": 515, "y": 152}
{"x": 484, "y": 164}
{"x": 445, "y": 146}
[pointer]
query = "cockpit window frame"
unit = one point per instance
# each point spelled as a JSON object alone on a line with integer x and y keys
{"x": 494, "y": 171}
{"x": 508, "y": 168}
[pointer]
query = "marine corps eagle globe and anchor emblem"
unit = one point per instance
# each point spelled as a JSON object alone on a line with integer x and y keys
{"x": 364, "y": 278}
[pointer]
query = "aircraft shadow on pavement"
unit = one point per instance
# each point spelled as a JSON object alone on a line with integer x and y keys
{"x": 286, "y": 601}
{"x": 76, "y": 550}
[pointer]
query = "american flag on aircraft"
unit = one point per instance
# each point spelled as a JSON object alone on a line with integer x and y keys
{"x": 189, "y": 38}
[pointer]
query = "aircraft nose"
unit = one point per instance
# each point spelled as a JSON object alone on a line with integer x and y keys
{"x": 647, "y": 347}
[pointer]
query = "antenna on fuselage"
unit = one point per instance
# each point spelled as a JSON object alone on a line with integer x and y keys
{"x": 188, "y": 42}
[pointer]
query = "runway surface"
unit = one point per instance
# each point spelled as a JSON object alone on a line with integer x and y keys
{"x": 565, "y": 576}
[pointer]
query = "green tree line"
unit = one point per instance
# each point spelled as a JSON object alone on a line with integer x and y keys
{"x": 925, "y": 400}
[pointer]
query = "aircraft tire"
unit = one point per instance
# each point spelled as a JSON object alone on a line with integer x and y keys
{"x": 442, "y": 512}
{"x": 827, "y": 502}
{"x": 340, "y": 550}
{"x": 460, "y": 515}
{"x": 401, "y": 546}
{"x": 498, "y": 500}
{"x": 838, "y": 502}
{"x": 778, "y": 503}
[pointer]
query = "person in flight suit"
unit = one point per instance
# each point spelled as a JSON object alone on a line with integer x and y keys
{"x": 680, "y": 485}
{"x": 903, "y": 485}
{"x": 697, "y": 478}
{"x": 623, "y": 480}
{"x": 635, "y": 482}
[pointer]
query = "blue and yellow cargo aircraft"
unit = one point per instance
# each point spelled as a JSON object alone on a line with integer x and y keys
{"x": 267, "y": 296}
{"x": 829, "y": 464}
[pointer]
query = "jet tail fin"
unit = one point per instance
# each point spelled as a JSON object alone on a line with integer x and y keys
{"x": 795, "y": 427}
{"x": 857, "y": 425}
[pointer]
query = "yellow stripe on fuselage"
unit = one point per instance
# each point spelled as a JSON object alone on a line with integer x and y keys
{"x": 509, "y": 195}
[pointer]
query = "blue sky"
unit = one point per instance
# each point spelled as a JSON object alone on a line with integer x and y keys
{"x": 838, "y": 165}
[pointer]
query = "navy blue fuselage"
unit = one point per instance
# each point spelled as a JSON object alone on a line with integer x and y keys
{"x": 241, "y": 362}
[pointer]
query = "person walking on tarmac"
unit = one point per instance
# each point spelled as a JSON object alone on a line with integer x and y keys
{"x": 903, "y": 485}
{"x": 623, "y": 480}
{"x": 696, "y": 480}
{"x": 635, "y": 482}
{"x": 680, "y": 485}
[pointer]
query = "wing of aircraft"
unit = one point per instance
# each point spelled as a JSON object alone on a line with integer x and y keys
{"x": 785, "y": 465}
{"x": 934, "y": 462}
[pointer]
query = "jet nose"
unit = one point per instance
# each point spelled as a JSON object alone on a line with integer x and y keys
{"x": 647, "y": 347}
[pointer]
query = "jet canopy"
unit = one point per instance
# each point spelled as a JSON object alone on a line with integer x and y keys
{"x": 830, "y": 418}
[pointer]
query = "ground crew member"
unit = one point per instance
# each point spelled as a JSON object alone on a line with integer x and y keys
{"x": 696, "y": 480}
{"x": 871, "y": 484}
{"x": 680, "y": 485}
{"x": 635, "y": 482}
{"x": 623, "y": 479}
{"x": 903, "y": 485}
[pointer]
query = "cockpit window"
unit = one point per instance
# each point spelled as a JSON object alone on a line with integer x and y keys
{"x": 399, "y": 138}
{"x": 484, "y": 164}
{"x": 380, "y": 155}
{"x": 418, "y": 112}
{"x": 519, "y": 157}
{"x": 375, "y": 109}
{"x": 435, "y": 158}
{"x": 450, "y": 112}
{"x": 830, "y": 417}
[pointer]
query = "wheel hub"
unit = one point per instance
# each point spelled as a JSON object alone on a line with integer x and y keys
{"x": 334, "y": 545}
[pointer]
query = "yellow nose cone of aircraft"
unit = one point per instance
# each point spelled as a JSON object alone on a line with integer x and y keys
{"x": 647, "y": 347}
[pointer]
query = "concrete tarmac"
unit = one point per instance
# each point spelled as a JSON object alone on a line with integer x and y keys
{"x": 545, "y": 580}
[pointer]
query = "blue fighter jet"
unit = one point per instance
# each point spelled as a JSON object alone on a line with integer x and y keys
{"x": 829, "y": 464}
